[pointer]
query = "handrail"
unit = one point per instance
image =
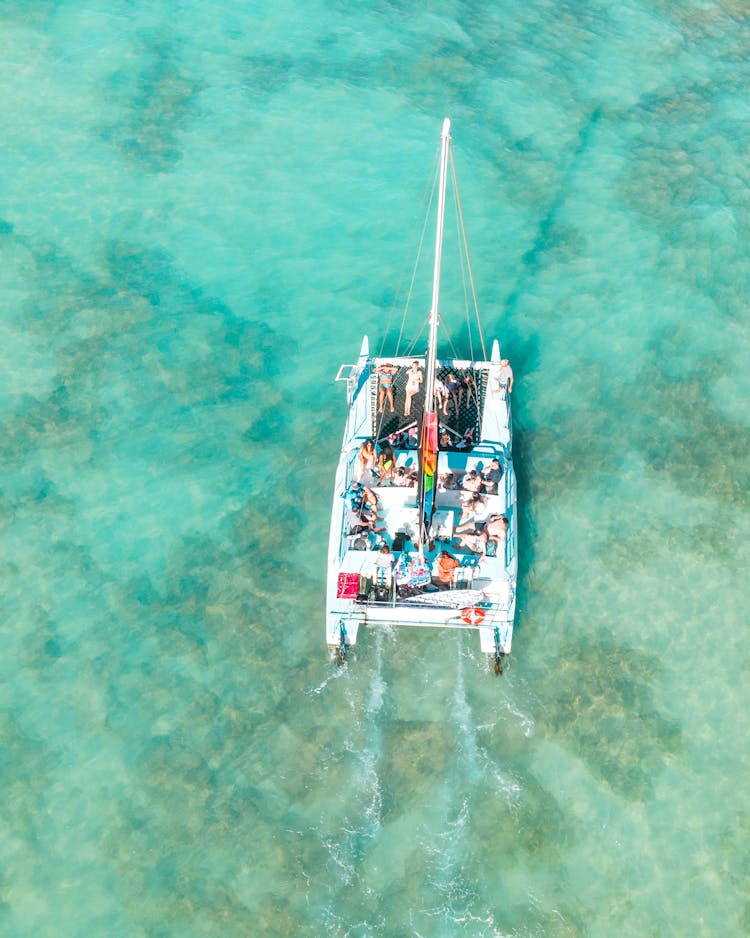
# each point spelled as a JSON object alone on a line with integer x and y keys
{"x": 340, "y": 377}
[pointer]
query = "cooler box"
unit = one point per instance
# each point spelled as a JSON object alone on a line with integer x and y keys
{"x": 348, "y": 586}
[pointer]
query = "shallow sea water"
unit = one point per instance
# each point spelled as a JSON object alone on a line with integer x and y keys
{"x": 203, "y": 207}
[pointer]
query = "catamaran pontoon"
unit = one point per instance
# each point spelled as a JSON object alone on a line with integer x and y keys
{"x": 392, "y": 557}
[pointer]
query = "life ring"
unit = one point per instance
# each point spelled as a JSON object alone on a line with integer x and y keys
{"x": 472, "y": 615}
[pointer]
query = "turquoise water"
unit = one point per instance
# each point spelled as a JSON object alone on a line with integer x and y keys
{"x": 203, "y": 207}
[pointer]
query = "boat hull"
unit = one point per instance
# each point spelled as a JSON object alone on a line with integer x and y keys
{"x": 354, "y": 595}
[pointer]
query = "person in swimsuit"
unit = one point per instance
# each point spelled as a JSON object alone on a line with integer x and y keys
{"x": 474, "y": 541}
{"x": 496, "y": 530}
{"x": 367, "y": 460}
{"x": 413, "y": 382}
{"x": 468, "y": 386}
{"x": 451, "y": 386}
{"x": 386, "y": 464}
{"x": 472, "y": 481}
{"x": 471, "y": 508}
{"x": 441, "y": 395}
{"x": 385, "y": 375}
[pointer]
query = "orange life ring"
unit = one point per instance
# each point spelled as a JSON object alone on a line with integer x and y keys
{"x": 472, "y": 615}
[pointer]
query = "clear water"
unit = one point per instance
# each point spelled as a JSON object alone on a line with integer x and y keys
{"x": 204, "y": 206}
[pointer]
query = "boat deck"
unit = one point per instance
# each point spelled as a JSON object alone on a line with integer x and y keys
{"x": 463, "y": 415}
{"x": 478, "y": 579}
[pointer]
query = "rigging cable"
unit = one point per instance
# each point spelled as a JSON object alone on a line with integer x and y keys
{"x": 397, "y": 294}
{"x": 416, "y": 263}
{"x": 462, "y": 265}
{"x": 468, "y": 259}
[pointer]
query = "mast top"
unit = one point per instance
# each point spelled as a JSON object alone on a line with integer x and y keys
{"x": 446, "y": 127}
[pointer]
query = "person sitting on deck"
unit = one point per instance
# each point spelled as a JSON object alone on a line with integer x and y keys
{"x": 363, "y": 522}
{"x": 400, "y": 478}
{"x": 445, "y": 441}
{"x": 470, "y": 509}
{"x": 359, "y": 494}
{"x": 496, "y": 531}
{"x": 445, "y": 564}
{"x": 491, "y": 478}
{"x": 385, "y": 373}
{"x": 474, "y": 541}
{"x": 467, "y": 441}
{"x": 446, "y": 482}
{"x": 386, "y": 464}
{"x": 472, "y": 481}
{"x": 360, "y": 514}
{"x": 385, "y": 559}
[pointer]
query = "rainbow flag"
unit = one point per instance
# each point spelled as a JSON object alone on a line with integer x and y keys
{"x": 428, "y": 455}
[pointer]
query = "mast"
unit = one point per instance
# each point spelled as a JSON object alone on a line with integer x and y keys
{"x": 428, "y": 447}
{"x": 432, "y": 343}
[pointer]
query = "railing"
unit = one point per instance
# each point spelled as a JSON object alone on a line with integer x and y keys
{"x": 510, "y": 506}
{"x": 345, "y": 524}
{"x": 352, "y": 378}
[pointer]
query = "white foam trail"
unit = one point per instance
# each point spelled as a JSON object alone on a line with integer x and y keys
{"x": 333, "y": 676}
{"x": 464, "y": 718}
{"x": 365, "y": 801}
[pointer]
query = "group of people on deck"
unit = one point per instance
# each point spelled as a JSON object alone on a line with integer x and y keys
{"x": 450, "y": 390}
{"x": 377, "y": 466}
{"x": 474, "y": 481}
{"x": 415, "y": 572}
{"x": 474, "y": 531}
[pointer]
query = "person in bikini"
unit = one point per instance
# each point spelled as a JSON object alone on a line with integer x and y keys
{"x": 367, "y": 460}
{"x": 386, "y": 373}
{"x": 414, "y": 379}
{"x": 386, "y": 464}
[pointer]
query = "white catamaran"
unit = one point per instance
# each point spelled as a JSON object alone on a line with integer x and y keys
{"x": 424, "y": 522}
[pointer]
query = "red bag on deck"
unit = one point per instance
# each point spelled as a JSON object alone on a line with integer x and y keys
{"x": 348, "y": 586}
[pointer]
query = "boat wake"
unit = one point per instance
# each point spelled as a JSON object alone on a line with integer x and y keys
{"x": 362, "y": 821}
